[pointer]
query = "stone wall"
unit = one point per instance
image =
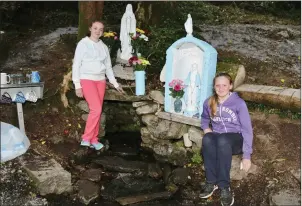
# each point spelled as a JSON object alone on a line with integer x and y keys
{"x": 166, "y": 137}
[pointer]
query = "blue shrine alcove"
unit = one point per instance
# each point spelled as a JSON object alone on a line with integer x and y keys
{"x": 192, "y": 61}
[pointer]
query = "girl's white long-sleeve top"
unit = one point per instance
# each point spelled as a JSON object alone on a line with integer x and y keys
{"x": 92, "y": 61}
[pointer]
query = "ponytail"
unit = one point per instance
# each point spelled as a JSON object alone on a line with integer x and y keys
{"x": 213, "y": 101}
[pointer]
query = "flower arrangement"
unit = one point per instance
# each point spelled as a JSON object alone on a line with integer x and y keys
{"x": 112, "y": 41}
{"x": 176, "y": 88}
{"x": 109, "y": 38}
{"x": 138, "y": 63}
{"x": 138, "y": 41}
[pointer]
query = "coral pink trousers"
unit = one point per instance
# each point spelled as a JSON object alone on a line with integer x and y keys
{"x": 93, "y": 92}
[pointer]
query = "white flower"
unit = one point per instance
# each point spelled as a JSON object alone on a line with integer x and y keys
{"x": 146, "y": 39}
{"x": 2, "y": 32}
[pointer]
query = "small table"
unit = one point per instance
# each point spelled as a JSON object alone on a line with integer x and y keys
{"x": 13, "y": 89}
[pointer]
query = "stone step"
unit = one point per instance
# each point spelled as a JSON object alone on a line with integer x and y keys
{"x": 280, "y": 97}
{"x": 48, "y": 175}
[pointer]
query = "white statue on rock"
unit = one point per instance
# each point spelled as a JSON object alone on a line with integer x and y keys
{"x": 192, "y": 92}
{"x": 189, "y": 25}
{"x": 128, "y": 25}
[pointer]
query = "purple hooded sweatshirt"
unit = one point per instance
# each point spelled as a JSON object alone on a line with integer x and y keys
{"x": 231, "y": 116}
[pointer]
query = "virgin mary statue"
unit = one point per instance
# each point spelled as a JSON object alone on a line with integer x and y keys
{"x": 192, "y": 92}
{"x": 128, "y": 25}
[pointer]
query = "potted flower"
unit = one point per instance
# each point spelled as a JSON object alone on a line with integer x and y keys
{"x": 177, "y": 91}
{"x": 139, "y": 65}
{"x": 138, "y": 40}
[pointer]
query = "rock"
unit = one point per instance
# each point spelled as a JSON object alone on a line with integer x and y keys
{"x": 178, "y": 156}
{"x": 240, "y": 77}
{"x": 128, "y": 185}
{"x": 154, "y": 170}
{"x": 56, "y": 139}
{"x": 139, "y": 104}
{"x": 167, "y": 172}
{"x": 147, "y": 109}
{"x": 190, "y": 194}
{"x": 48, "y": 175}
{"x": 114, "y": 95}
{"x": 122, "y": 72}
{"x": 143, "y": 198}
{"x": 236, "y": 173}
{"x": 124, "y": 151}
{"x": 83, "y": 106}
{"x": 195, "y": 135}
{"x": 148, "y": 138}
{"x": 157, "y": 96}
{"x": 297, "y": 174}
{"x": 88, "y": 191}
{"x": 283, "y": 34}
{"x": 175, "y": 153}
{"x": 179, "y": 176}
{"x": 80, "y": 156}
{"x": 169, "y": 130}
{"x": 263, "y": 138}
{"x": 93, "y": 175}
{"x": 187, "y": 141}
{"x": 55, "y": 109}
{"x": 118, "y": 164}
{"x": 150, "y": 120}
{"x": 37, "y": 202}
{"x": 286, "y": 197}
{"x": 176, "y": 130}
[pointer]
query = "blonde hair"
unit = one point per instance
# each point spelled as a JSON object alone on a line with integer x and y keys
{"x": 213, "y": 101}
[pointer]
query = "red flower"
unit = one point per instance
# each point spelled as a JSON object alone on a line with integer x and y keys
{"x": 177, "y": 87}
{"x": 132, "y": 59}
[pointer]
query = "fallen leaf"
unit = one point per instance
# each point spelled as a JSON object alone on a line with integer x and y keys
{"x": 79, "y": 126}
{"x": 69, "y": 125}
{"x": 43, "y": 142}
{"x": 282, "y": 80}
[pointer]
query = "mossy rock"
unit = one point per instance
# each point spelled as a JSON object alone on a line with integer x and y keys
{"x": 229, "y": 68}
{"x": 236, "y": 71}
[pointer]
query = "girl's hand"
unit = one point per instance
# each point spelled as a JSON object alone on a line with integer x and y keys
{"x": 120, "y": 90}
{"x": 207, "y": 130}
{"x": 79, "y": 92}
{"x": 245, "y": 164}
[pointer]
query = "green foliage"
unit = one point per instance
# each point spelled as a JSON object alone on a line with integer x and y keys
{"x": 196, "y": 158}
{"x": 176, "y": 94}
{"x": 285, "y": 9}
{"x": 283, "y": 113}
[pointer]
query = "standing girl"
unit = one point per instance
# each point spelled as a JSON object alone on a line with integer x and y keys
{"x": 90, "y": 64}
{"x": 231, "y": 133}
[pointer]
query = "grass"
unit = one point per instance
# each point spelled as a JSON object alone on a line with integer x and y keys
{"x": 283, "y": 113}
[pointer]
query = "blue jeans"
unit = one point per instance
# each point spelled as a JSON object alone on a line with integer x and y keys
{"x": 217, "y": 151}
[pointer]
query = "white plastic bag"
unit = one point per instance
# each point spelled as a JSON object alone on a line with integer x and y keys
{"x": 13, "y": 142}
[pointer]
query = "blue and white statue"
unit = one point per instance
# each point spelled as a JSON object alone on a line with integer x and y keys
{"x": 192, "y": 92}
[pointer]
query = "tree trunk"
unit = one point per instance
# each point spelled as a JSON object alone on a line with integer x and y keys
{"x": 88, "y": 11}
{"x": 150, "y": 13}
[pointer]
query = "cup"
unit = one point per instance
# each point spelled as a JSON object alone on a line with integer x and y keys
{"x": 35, "y": 77}
{"x": 5, "y": 79}
{"x": 19, "y": 98}
{"x": 31, "y": 96}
